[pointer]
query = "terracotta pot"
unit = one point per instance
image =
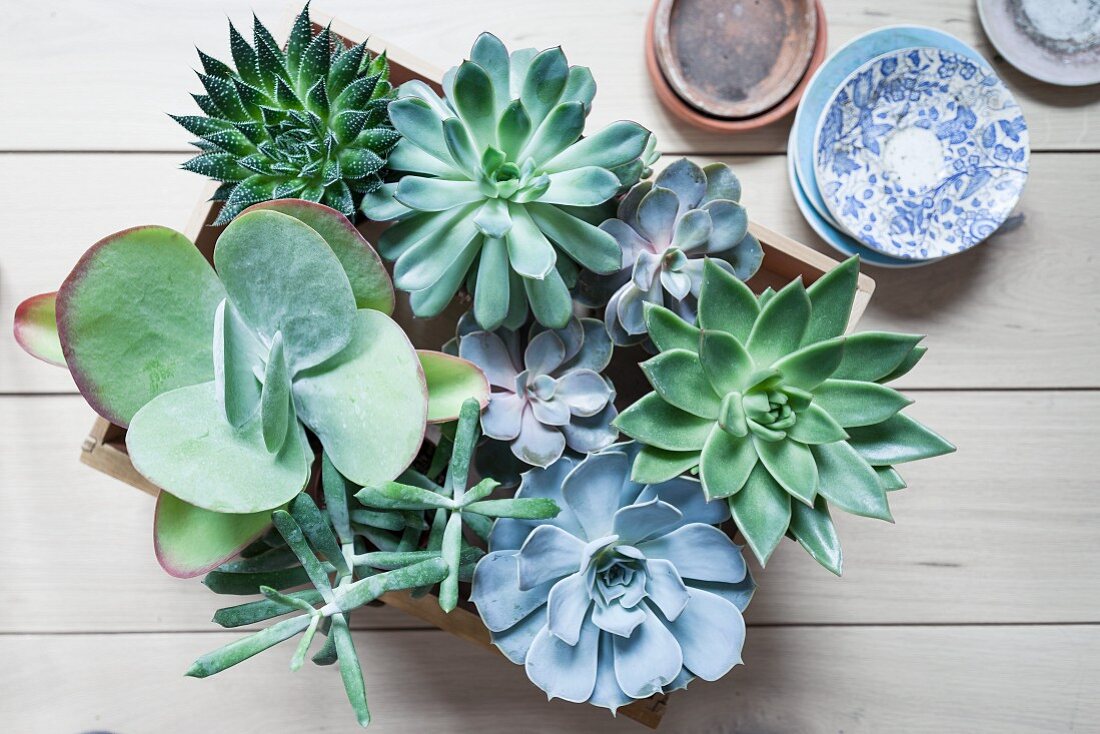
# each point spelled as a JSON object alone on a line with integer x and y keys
{"x": 677, "y": 106}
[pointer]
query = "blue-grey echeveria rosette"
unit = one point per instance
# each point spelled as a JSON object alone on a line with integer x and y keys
{"x": 631, "y": 590}
{"x": 501, "y": 192}
{"x": 665, "y": 228}
{"x": 548, "y": 395}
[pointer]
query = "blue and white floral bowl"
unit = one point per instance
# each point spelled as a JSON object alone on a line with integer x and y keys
{"x": 921, "y": 153}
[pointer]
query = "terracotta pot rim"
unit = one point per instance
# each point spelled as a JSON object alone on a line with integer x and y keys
{"x": 683, "y": 110}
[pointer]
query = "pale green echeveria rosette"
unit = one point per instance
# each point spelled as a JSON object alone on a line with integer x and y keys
{"x": 665, "y": 228}
{"x": 548, "y": 392}
{"x": 217, "y": 375}
{"x": 629, "y": 591}
{"x": 777, "y": 411}
{"x": 501, "y": 193}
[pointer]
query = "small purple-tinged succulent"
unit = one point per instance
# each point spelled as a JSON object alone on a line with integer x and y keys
{"x": 629, "y": 591}
{"x": 548, "y": 396}
{"x": 665, "y": 228}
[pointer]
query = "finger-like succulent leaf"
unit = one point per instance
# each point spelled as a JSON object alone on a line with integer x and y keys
{"x": 814, "y": 531}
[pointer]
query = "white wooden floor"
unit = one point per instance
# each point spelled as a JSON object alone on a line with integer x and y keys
{"x": 978, "y": 612}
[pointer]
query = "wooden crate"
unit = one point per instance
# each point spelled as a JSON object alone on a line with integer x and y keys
{"x": 784, "y": 259}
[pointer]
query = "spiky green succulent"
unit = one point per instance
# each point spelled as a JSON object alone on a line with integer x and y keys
{"x": 309, "y": 122}
{"x": 502, "y": 193}
{"x": 777, "y": 410}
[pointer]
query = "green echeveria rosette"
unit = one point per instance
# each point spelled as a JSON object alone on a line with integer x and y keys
{"x": 502, "y": 194}
{"x": 309, "y": 122}
{"x": 777, "y": 411}
{"x": 665, "y": 228}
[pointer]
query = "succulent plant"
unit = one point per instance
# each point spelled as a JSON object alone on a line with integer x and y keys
{"x": 778, "y": 411}
{"x": 548, "y": 396}
{"x": 665, "y": 228}
{"x": 629, "y": 591}
{"x": 501, "y": 192}
{"x": 308, "y": 123}
{"x": 218, "y": 375}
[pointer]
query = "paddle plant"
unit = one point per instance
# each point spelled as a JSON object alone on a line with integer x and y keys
{"x": 778, "y": 412}
{"x": 500, "y": 192}
{"x": 220, "y": 374}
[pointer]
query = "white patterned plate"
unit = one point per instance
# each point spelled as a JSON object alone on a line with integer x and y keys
{"x": 921, "y": 153}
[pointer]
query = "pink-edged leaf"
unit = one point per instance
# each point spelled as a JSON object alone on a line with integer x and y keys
{"x": 190, "y": 541}
{"x": 36, "y": 328}
{"x": 135, "y": 318}
{"x": 451, "y": 382}
{"x": 370, "y": 282}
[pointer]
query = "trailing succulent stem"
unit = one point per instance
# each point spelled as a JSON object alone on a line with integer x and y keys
{"x": 309, "y": 122}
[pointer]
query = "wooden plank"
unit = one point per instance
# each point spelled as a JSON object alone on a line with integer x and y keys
{"x": 1019, "y": 311}
{"x": 143, "y": 58}
{"x": 1004, "y": 531}
{"x": 796, "y": 679}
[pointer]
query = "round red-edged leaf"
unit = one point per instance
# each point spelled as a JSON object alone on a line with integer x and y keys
{"x": 451, "y": 382}
{"x": 189, "y": 541}
{"x": 36, "y": 328}
{"x": 135, "y": 319}
{"x": 370, "y": 282}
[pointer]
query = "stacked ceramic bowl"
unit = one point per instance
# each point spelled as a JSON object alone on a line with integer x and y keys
{"x": 729, "y": 66}
{"x": 906, "y": 148}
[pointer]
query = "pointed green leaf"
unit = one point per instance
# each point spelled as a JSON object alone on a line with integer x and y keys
{"x": 906, "y": 364}
{"x": 725, "y": 361}
{"x": 615, "y": 145}
{"x": 654, "y": 422}
{"x": 653, "y": 465}
{"x": 513, "y": 129}
{"x": 849, "y": 482}
{"x": 669, "y": 331}
{"x": 889, "y": 478}
{"x": 398, "y": 496}
{"x": 678, "y": 377}
{"x": 814, "y": 531}
{"x": 261, "y": 611}
{"x": 350, "y": 672}
{"x": 544, "y": 83}
{"x": 491, "y": 302}
{"x": 854, "y": 403}
{"x": 726, "y": 464}
{"x": 815, "y": 426}
{"x": 473, "y": 99}
{"x": 831, "y": 299}
{"x": 725, "y": 303}
{"x": 873, "y": 355}
{"x": 782, "y": 322}
{"x": 793, "y": 466}
{"x": 522, "y": 508}
{"x": 561, "y": 128}
{"x": 315, "y": 526}
{"x": 275, "y": 410}
{"x": 897, "y": 440}
{"x": 812, "y": 364}
{"x": 300, "y": 35}
{"x": 762, "y": 512}
{"x": 550, "y": 301}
